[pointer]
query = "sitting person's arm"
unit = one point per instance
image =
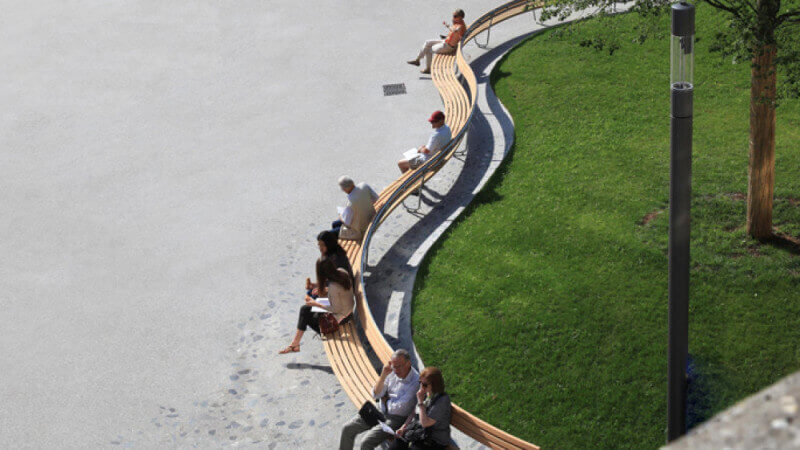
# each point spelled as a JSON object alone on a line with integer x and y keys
{"x": 403, "y": 428}
{"x": 424, "y": 420}
{"x": 311, "y": 302}
{"x": 347, "y": 216}
{"x": 379, "y": 389}
{"x": 430, "y": 144}
{"x": 372, "y": 194}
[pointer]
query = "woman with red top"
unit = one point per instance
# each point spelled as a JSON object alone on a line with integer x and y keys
{"x": 446, "y": 46}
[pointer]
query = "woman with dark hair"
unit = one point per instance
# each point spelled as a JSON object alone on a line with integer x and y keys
{"x": 338, "y": 286}
{"x": 430, "y": 428}
{"x": 329, "y": 248}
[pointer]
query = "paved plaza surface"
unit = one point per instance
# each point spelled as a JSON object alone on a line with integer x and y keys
{"x": 165, "y": 168}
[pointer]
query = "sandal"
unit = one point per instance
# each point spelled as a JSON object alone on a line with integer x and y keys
{"x": 290, "y": 349}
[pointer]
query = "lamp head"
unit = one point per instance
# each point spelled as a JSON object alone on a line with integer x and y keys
{"x": 682, "y": 46}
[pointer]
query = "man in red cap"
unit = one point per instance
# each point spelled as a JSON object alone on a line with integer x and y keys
{"x": 439, "y": 138}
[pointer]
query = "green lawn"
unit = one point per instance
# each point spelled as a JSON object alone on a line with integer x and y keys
{"x": 546, "y": 303}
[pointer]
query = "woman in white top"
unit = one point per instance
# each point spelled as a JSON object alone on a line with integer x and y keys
{"x": 338, "y": 286}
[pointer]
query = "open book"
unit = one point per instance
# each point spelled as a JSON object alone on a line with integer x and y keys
{"x": 322, "y": 301}
{"x": 411, "y": 153}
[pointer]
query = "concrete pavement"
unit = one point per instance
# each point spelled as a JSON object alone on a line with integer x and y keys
{"x": 165, "y": 167}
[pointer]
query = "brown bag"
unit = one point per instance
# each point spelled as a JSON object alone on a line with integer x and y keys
{"x": 328, "y": 323}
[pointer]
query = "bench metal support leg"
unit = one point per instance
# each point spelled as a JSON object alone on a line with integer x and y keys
{"x": 488, "y": 35}
{"x": 462, "y": 152}
{"x": 419, "y": 197}
{"x": 533, "y": 11}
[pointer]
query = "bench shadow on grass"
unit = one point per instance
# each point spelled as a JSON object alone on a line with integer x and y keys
{"x": 699, "y": 392}
{"x": 390, "y": 282}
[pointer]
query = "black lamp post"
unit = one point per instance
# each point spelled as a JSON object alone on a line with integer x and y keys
{"x": 682, "y": 87}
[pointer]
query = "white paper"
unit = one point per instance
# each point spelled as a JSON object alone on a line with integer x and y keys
{"x": 386, "y": 428}
{"x": 340, "y": 209}
{"x": 411, "y": 153}
{"x": 322, "y": 301}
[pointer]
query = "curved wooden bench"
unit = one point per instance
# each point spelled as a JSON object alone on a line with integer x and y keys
{"x": 348, "y": 357}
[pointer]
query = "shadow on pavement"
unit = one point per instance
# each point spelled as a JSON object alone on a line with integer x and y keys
{"x": 305, "y": 366}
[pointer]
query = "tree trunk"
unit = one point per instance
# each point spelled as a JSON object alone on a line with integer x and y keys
{"x": 761, "y": 170}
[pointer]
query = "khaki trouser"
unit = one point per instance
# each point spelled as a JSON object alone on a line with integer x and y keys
{"x": 374, "y": 437}
{"x": 433, "y": 46}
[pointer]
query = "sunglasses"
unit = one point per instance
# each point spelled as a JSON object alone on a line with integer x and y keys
{"x": 424, "y": 384}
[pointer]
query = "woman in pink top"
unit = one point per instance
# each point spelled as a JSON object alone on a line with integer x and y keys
{"x": 446, "y": 46}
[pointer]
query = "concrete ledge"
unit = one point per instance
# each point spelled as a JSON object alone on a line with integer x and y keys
{"x": 766, "y": 420}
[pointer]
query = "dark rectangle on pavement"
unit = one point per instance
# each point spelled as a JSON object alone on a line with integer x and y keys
{"x": 394, "y": 89}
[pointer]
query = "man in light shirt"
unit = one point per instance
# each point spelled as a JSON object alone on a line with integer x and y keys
{"x": 359, "y": 211}
{"x": 396, "y": 389}
{"x": 440, "y": 136}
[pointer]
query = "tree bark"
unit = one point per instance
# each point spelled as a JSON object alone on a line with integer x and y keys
{"x": 761, "y": 170}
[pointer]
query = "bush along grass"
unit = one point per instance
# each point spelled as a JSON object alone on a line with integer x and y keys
{"x": 546, "y": 303}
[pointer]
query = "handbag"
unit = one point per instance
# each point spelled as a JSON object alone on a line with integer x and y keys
{"x": 370, "y": 414}
{"x": 328, "y": 323}
{"x": 415, "y": 432}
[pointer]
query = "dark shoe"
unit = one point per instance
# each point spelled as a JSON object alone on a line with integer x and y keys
{"x": 413, "y": 62}
{"x": 425, "y": 71}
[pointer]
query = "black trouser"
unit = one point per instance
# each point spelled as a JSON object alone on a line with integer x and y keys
{"x": 399, "y": 444}
{"x": 336, "y": 226}
{"x": 308, "y": 319}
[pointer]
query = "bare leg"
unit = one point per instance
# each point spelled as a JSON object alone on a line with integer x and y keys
{"x": 297, "y": 337}
{"x": 403, "y": 165}
{"x": 295, "y": 345}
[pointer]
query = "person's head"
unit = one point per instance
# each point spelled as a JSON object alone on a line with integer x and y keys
{"x": 346, "y": 183}
{"x": 401, "y": 362}
{"x": 328, "y": 242}
{"x": 458, "y": 14}
{"x": 327, "y": 271}
{"x": 436, "y": 119}
{"x": 431, "y": 380}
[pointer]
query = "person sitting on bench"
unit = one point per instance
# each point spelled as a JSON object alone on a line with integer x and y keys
{"x": 429, "y": 429}
{"x": 329, "y": 247}
{"x": 446, "y": 46}
{"x": 396, "y": 388}
{"x": 440, "y": 136}
{"x": 337, "y": 285}
{"x": 358, "y": 212}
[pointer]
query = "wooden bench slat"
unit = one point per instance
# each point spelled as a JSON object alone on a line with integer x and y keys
{"x": 348, "y": 357}
{"x": 337, "y": 364}
{"x": 351, "y": 356}
{"x": 347, "y": 354}
{"x": 361, "y": 364}
{"x": 476, "y": 427}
